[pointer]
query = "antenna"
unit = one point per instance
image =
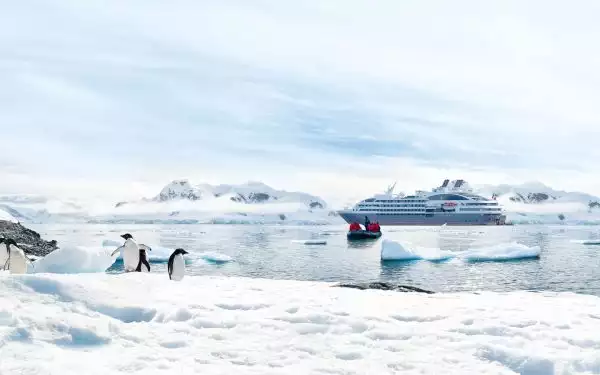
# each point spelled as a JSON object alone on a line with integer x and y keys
{"x": 390, "y": 189}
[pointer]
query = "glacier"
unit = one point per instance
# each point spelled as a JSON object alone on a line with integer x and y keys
{"x": 119, "y": 324}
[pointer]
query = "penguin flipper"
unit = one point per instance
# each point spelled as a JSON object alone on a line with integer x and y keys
{"x": 117, "y": 250}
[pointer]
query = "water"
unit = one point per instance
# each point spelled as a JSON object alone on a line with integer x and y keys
{"x": 270, "y": 252}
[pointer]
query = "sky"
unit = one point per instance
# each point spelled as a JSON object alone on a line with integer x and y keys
{"x": 339, "y": 98}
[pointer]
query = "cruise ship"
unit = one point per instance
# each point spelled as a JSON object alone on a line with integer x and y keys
{"x": 452, "y": 203}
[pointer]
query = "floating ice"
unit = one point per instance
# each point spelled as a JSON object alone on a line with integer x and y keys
{"x": 506, "y": 251}
{"x": 310, "y": 242}
{"x": 80, "y": 324}
{"x": 161, "y": 254}
{"x": 392, "y": 250}
{"x": 215, "y": 257}
{"x": 587, "y": 242}
{"x": 74, "y": 259}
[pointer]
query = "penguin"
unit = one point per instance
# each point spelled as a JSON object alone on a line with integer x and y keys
{"x": 143, "y": 265}
{"x": 17, "y": 260}
{"x": 3, "y": 254}
{"x": 176, "y": 266}
{"x": 131, "y": 252}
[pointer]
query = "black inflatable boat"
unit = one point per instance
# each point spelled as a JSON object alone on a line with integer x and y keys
{"x": 363, "y": 235}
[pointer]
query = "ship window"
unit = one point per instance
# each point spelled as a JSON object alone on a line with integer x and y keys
{"x": 447, "y": 197}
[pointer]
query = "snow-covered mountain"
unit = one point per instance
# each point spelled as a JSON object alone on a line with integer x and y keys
{"x": 538, "y": 193}
{"x": 254, "y": 202}
{"x": 535, "y": 202}
{"x": 40, "y": 209}
{"x": 249, "y": 193}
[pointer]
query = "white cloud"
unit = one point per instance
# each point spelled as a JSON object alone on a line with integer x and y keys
{"x": 98, "y": 97}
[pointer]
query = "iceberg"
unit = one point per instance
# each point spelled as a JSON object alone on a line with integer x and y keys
{"x": 393, "y": 250}
{"x": 500, "y": 252}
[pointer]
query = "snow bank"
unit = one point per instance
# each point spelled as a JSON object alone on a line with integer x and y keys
{"x": 118, "y": 324}
{"x": 392, "y": 250}
{"x": 74, "y": 259}
{"x": 510, "y": 251}
{"x": 5, "y": 216}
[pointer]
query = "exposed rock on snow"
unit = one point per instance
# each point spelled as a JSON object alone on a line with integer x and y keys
{"x": 29, "y": 240}
{"x": 379, "y": 285}
{"x": 249, "y": 193}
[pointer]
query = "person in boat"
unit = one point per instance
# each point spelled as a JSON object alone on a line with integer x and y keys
{"x": 367, "y": 222}
{"x": 354, "y": 227}
{"x": 376, "y": 227}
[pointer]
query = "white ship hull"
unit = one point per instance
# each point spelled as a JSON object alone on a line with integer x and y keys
{"x": 436, "y": 219}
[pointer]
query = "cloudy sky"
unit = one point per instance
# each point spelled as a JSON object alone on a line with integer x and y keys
{"x": 338, "y": 98}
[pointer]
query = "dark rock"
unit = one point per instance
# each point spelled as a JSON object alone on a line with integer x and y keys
{"x": 120, "y": 204}
{"x": 384, "y": 286}
{"x": 282, "y": 216}
{"x": 258, "y": 197}
{"x": 30, "y": 241}
{"x": 561, "y": 217}
{"x": 315, "y": 205}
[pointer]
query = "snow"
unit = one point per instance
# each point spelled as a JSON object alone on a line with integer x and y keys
{"x": 74, "y": 259}
{"x": 142, "y": 323}
{"x": 6, "y": 216}
{"x": 394, "y": 250}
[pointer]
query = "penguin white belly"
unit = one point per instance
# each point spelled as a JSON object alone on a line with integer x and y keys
{"x": 17, "y": 261}
{"x": 3, "y": 256}
{"x": 178, "y": 270}
{"x": 131, "y": 256}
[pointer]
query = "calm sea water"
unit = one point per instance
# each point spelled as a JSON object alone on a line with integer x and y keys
{"x": 269, "y": 252}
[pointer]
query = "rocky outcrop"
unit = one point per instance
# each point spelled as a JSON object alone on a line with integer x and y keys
{"x": 253, "y": 198}
{"x": 179, "y": 189}
{"x": 378, "y": 285}
{"x": 532, "y": 198}
{"x": 315, "y": 205}
{"x": 29, "y": 240}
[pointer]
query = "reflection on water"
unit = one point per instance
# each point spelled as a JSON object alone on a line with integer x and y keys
{"x": 269, "y": 252}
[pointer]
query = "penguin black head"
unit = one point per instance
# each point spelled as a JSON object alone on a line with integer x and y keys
{"x": 180, "y": 251}
{"x": 9, "y": 241}
{"x": 127, "y": 236}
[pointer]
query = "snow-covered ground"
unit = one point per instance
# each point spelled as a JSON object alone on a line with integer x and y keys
{"x": 144, "y": 323}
